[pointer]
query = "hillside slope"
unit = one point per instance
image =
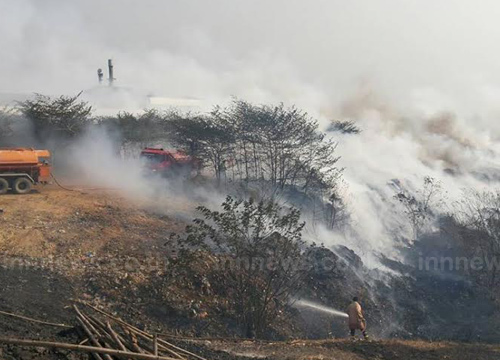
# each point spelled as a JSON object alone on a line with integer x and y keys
{"x": 57, "y": 246}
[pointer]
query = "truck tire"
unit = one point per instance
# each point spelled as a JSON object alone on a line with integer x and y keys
{"x": 22, "y": 186}
{"x": 4, "y": 186}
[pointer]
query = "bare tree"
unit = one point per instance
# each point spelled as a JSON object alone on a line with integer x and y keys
{"x": 419, "y": 206}
{"x": 336, "y": 212}
{"x": 478, "y": 214}
{"x": 6, "y": 120}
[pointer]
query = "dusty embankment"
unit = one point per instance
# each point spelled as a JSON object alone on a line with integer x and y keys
{"x": 71, "y": 224}
{"x": 89, "y": 244}
{"x": 56, "y": 245}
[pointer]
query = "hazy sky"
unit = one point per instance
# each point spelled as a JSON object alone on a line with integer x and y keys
{"x": 317, "y": 52}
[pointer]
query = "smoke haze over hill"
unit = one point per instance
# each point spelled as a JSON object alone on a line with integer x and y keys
{"x": 420, "y": 78}
{"x": 424, "y": 56}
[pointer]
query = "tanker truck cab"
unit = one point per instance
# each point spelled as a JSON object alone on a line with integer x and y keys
{"x": 22, "y": 168}
{"x": 44, "y": 166}
{"x": 167, "y": 163}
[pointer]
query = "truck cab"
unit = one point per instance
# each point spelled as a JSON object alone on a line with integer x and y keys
{"x": 168, "y": 162}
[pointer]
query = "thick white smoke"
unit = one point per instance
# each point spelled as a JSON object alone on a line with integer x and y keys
{"x": 430, "y": 108}
{"x": 395, "y": 151}
{"x": 311, "y": 53}
{"x": 95, "y": 162}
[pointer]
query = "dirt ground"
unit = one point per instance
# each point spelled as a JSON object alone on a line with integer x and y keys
{"x": 75, "y": 223}
{"x": 345, "y": 349}
{"x": 57, "y": 246}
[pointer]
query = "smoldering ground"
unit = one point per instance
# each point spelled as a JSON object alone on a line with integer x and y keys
{"x": 425, "y": 106}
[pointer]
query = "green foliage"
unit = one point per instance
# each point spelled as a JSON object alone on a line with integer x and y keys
{"x": 210, "y": 138}
{"x": 259, "y": 249}
{"x": 64, "y": 117}
{"x": 245, "y": 143}
{"x": 136, "y": 129}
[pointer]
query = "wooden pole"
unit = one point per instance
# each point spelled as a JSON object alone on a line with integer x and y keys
{"x": 91, "y": 337}
{"x": 132, "y": 343}
{"x": 135, "y": 343}
{"x": 81, "y": 348}
{"x": 106, "y": 338}
{"x": 110, "y": 333}
{"x": 146, "y": 336}
{"x": 35, "y": 321}
{"x": 86, "y": 327}
{"x": 164, "y": 344}
{"x": 116, "y": 338}
{"x": 155, "y": 344}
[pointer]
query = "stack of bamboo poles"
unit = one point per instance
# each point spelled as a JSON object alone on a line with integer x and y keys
{"x": 112, "y": 339}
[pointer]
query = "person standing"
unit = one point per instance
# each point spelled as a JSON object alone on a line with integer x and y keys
{"x": 356, "y": 319}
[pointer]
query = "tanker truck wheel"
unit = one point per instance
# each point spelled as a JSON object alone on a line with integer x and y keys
{"x": 22, "y": 186}
{"x": 4, "y": 186}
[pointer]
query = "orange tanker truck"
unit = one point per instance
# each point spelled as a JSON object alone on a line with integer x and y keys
{"x": 22, "y": 168}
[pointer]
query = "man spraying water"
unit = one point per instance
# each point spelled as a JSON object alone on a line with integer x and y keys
{"x": 353, "y": 313}
{"x": 356, "y": 318}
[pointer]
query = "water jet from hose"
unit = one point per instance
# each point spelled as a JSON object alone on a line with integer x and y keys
{"x": 318, "y": 307}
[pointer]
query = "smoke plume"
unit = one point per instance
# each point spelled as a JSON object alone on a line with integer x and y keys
{"x": 419, "y": 78}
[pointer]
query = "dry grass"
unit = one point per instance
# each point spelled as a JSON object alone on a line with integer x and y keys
{"x": 345, "y": 349}
{"x": 55, "y": 222}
